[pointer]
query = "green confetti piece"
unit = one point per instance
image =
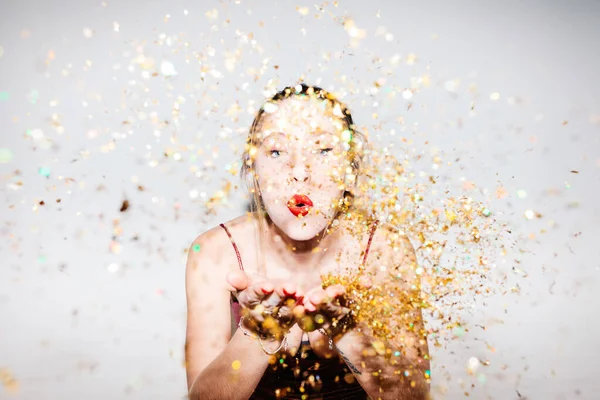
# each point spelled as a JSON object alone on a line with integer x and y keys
{"x": 41, "y": 259}
{"x": 3, "y": 96}
{"x": 196, "y": 248}
{"x": 44, "y": 171}
{"x": 33, "y": 96}
{"x": 459, "y": 331}
{"x": 6, "y": 156}
{"x": 347, "y": 136}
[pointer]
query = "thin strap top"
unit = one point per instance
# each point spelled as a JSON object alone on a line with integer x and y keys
{"x": 237, "y": 252}
{"x": 241, "y": 264}
{"x": 373, "y": 228}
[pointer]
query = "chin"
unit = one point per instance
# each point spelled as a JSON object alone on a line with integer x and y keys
{"x": 302, "y": 229}
{"x": 302, "y": 234}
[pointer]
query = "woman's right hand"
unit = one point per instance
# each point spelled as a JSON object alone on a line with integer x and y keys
{"x": 267, "y": 306}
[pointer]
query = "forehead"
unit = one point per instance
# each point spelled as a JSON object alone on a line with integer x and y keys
{"x": 301, "y": 114}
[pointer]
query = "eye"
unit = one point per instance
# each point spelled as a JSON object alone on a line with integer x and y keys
{"x": 326, "y": 151}
{"x": 274, "y": 153}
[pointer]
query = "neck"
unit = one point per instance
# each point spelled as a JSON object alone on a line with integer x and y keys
{"x": 308, "y": 253}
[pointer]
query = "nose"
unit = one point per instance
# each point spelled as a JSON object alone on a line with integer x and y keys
{"x": 300, "y": 172}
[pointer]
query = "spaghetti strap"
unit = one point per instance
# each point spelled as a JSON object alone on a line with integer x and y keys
{"x": 237, "y": 252}
{"x": 373, "y": 228}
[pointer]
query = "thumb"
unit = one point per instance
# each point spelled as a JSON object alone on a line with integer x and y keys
{"x": 238, "y": 280}
{"x": 366, "y": 282}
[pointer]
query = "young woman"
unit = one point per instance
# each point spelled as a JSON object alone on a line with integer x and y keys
{"x": 260, "y": 322}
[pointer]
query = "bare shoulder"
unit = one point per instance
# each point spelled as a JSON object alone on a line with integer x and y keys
{"x": 208, "y": 245}
{"x": 393, "y": 239}
{"x": 393, "y": 250}
{"x": 212, "y": 251}
{"x": 208, "y": 293}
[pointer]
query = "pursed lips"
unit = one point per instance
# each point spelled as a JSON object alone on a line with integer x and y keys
{"x": 299, "y": 204}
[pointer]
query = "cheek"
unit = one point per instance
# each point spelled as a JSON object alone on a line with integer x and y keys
{"x": 271, "y": 182}
{"x": 329, "y": 173}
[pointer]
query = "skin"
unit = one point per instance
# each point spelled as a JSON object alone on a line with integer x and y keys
{"x": 300, "y": 151}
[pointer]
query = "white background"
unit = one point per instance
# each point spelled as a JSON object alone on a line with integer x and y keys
{"x": 82, "y": 319}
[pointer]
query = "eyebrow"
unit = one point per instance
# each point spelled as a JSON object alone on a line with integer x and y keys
{"x": 312, "y": 133}
{"x": 272, "y": 133}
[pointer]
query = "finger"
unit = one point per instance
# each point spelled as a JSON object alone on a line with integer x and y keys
{"x": 313, "y": 299}
{"x": 294, "y": 338}
{"x": 286, "y": 289}
{"x": 304, "y": 321}
{"x": 318, "y": 297}
{"x": 299, "y": 295}
{"x": 272, "y": 301}
{"x": 283, "y": 300}
{"x": 308, "y": 306}
{"x": 306, "y": 299}
{"x": 255, "y": 294}
{"x": 334, "y": 309}
{"x": 299, "y": 311}
{"x": 335, "y": 291}
{"x": 365, "y": 282}
{"x": 238, "y": 280}
{"x": 260, "y": 291}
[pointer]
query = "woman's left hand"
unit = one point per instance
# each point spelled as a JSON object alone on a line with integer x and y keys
{"x": 325, "y": 308}
{"x": 322, "y": 307}
{"x": 319, "y": 312}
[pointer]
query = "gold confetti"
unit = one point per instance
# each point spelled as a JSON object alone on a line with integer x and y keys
{"x": 302, "y": 10}
{"x": 8, "y": 381}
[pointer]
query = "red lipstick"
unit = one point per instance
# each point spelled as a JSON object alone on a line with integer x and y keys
{"x": 299, "y": 204}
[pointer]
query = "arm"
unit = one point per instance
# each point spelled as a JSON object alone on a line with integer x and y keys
{"x": 385, "y": 377}
{"x": 210, "y": 354}
{"x": 221, "y": 380}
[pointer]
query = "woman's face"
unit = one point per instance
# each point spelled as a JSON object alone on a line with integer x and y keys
{"x": 300, "y": 164}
